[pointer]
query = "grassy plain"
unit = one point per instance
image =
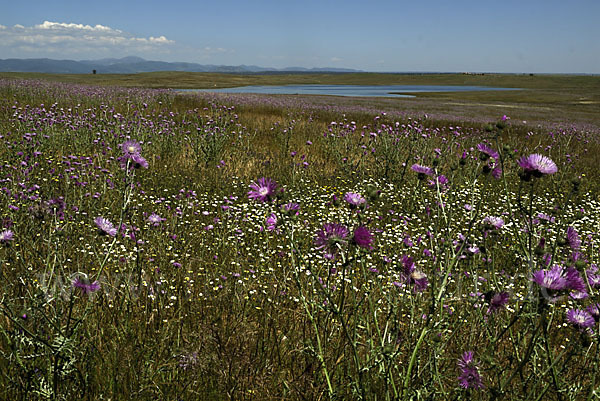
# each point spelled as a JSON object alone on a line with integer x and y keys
{"x": 544, "y": 100}
{"x": 156, "y": 245}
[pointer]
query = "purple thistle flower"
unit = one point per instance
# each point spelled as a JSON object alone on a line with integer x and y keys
{"x": 330, "y": 238}
{"x": 542, "y": 243}
{"x": 473, "y": 249}
{"x": 594, "y": 310}
{"x": 105, "y": 226}
{"x": 84, "y": 285}
{"x": 6, "y": 236}
{"x": 408, "y": 264}
{"x": 131, "y": 156}
{"x": 546, "y": 218}
{"x": 132, "y": 162}
{"x": 469, "y": 377}
{"x": 263, "y": 190}
{"x": 354, "y": 199}
{"x": 593, "y": 278}
{"x": 577, "y": 295}
{"x": 573, "y": 240}
{"x": 363, "y": 238}
{"x": 291, "y": 208}
{"x": 497, "y": 301}
{"x": 155, "y": 219}
{"x": 131, "y": 148}
{"x": 137, "y": 162}
{"x": 440, "y": 181}
{"x": 271, "y": 222}
{"x": 422, "y": 170}
{"x": 574, "y": 280}
{"x": 537, "y": 165}
{"x": 553, "y": 279}
{"x": 581, "y": 319}
{"x": 495, "y": 222}
{"x": 413, "y": 276}
{"x": 558, "y": 279}
{"x": 577, "y": 256}
{"x": 488, "y": 152}
{"x": 493, "y": 156}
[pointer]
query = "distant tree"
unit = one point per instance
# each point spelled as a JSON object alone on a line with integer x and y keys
{"x": 94, "y": 72}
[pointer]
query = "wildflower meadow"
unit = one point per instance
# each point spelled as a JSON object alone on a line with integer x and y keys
{"x": 164, "y": 246}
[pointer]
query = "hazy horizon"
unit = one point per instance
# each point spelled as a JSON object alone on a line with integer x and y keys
{"x": 381, "y": 36}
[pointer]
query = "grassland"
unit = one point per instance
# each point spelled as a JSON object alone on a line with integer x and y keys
{"x": 157, "y": 245}
{"x": 544, "y": 100}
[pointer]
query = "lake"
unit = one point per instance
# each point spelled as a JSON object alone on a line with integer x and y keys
{"x": 350, "y": 90}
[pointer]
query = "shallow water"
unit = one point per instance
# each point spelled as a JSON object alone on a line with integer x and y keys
{"x": 350, "y": 90}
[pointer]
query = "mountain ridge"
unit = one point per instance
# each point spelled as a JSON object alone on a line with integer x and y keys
{"x": 133, "y": 64}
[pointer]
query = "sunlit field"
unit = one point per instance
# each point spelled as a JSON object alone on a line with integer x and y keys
{"x": 165, "y": 246}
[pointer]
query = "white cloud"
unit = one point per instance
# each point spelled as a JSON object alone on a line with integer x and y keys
{"x": 336, "y": 59}
{"x": 160, "y": 39}
{"x": 62, "y": 25}
{"x": 52, "y": 39}
{"x": 216, "y": 50}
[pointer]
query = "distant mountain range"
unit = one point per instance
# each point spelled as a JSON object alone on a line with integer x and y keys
{"x": 132, "y": 65}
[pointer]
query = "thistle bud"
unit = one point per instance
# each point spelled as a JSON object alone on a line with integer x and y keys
{"x": 374, "y": 194}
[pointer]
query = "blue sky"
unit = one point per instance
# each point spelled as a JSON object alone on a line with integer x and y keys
{"x": 435, "y": 35}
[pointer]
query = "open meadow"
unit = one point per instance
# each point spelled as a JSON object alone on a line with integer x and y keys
{"x": 156, "y": 245}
